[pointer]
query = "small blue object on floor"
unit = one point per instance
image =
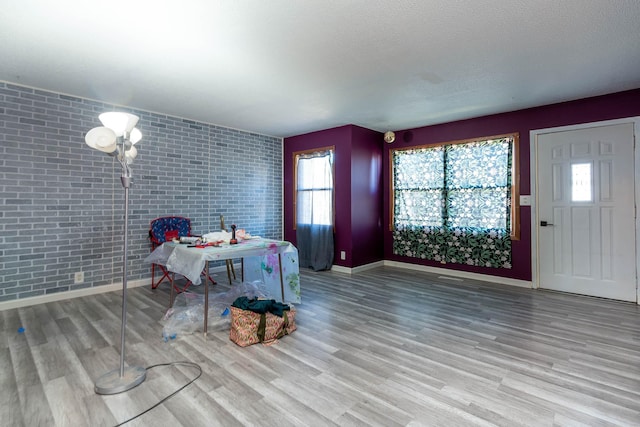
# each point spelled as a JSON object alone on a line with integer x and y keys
{"x": 20, "y": 330}
{"x": 166, "y": 337}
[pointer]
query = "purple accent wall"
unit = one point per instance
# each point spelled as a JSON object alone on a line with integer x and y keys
{"x": 366, "y": 197}
{"x": 607, "y": 107}
{"x": 359, "y": 151}
{"x": 358, "y": 196}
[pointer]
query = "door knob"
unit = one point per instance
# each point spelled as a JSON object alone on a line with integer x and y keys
{"x": 545, "y": 224}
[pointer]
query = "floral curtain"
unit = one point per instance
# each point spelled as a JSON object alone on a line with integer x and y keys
{"x": 452, "y": 203}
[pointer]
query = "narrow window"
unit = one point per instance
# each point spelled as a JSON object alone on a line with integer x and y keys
{"x": 314, "y": 207}
{"x": 581, "y": 182}
{"x": 313, "y": 197}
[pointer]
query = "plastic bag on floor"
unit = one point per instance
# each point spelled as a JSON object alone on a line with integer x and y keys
{"x": 187, "y": 313}
{"x": 220, "y": 301}
{"x": 184, "y": 317}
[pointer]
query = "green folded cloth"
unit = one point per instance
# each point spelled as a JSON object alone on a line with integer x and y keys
{"x": 260, "y": 305}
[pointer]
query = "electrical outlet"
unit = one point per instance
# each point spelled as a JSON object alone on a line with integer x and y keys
{"x": 343, "y": 255}
{"x": 78, "y": 277}
{"x": 525, "y": 200}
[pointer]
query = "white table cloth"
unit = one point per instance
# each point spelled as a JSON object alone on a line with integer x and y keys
{"x": 263, "y": 260}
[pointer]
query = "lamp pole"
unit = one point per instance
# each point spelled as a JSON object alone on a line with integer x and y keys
{"x": 126, "y": 183}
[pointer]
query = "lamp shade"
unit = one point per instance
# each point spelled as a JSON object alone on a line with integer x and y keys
{"x": 135, "y": 135}
{"x": 101, "y": 138}
{"x": 130, "y": 155}
{"x": 119, "y": 122}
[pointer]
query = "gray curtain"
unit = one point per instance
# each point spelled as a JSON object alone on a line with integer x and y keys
{"x": 314, "y": 209}
{"x": 315, "y": 246}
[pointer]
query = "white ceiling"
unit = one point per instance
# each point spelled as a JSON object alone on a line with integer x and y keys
{"x": 285, "y": 67}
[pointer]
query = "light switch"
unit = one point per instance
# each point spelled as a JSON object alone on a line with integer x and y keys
{"x": 525, "y": 200}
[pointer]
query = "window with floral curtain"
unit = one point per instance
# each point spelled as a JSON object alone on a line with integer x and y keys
{"x": 313, "y": 200}
{"x": 453, "y": 202}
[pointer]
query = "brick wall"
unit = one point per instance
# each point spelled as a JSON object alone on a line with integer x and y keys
{"x": 62, "y": 202}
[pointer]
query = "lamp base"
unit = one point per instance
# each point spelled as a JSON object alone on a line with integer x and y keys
{"x": 113, "y": 383}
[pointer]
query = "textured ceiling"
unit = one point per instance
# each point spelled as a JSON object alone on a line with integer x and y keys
{"x": 285, "y": 68}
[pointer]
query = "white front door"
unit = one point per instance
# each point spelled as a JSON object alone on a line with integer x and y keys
{"x": 585, "y": 198}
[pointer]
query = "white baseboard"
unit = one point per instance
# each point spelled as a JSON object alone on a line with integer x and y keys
{"x": 463, "y": 274}
{"x": 358, "y": 269}
{"x": 340, "y": 269}
{"x": 446, "y": 272}
{"x": 60, "y": 296}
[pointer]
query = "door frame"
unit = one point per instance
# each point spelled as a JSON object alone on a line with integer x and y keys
{"x": 533, "y": 151}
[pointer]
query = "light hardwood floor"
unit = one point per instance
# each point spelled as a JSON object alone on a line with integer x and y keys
{"x": 387, "y": 347}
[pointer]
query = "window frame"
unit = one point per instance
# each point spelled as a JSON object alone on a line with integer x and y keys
{"x": 515, "y": 176}
{"x": 295, "y": 156}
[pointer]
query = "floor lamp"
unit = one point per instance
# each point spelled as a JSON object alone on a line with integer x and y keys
{"x": 117, "y": 138}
